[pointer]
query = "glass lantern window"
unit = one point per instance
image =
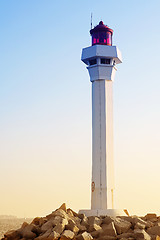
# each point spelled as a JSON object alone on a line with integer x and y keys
{"x": 102, "y": 37}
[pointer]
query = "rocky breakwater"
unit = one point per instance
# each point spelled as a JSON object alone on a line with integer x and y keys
{"x": 65, "y": 224}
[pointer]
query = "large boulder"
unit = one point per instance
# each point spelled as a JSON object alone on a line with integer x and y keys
{"x": 85, "y": 222}
{"x": 94, "y": 220}
{"x": 107, "y": 220}
{"x": 155, "y": 230}
{"x": 46, "y": 226}
{"x": 59, "y": 228}
{"x": 84, "y": 236}
{"x": 44, "y": 236}
{"x": 141, "y": 234}
{"x": 94, "y": 227}
{"x": 53, "y": 236}
{"x": 12, "y": 235}
{"x": 151, "y": 217}
{"x": 143, "y": 222}
{"x": 72, "y": 226}
{"x": 67, "y": 234}
{"x": 122, "y": 225}
{"x": 109, "y": 230}
{"x": 28, "y": 232}
{"x": 125, "y": 235}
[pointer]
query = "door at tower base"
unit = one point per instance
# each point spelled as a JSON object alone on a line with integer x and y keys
{"x": 100, "y": 212}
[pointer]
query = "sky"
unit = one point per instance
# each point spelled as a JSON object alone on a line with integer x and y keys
{"x": 45, "y": 105}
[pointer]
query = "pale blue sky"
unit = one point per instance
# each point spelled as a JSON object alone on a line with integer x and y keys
{"x": 45, "y": 104}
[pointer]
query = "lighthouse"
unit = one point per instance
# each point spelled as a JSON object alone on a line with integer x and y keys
{"x": 101, "y": 59}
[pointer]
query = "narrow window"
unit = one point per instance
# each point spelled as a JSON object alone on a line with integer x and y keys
{"x": 105, "y": 61}
{"x": 93, "y": 62}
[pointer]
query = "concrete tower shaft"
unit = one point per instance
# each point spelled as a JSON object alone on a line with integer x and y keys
{"x": 101, "y": 59}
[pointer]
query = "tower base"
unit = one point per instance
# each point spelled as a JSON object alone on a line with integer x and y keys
{"x": 100, "y": 212}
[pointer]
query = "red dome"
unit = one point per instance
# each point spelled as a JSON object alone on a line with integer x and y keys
{"x": 101, "y": 34}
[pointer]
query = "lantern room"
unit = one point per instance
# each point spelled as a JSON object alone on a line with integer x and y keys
{"x": 101, "y": 35}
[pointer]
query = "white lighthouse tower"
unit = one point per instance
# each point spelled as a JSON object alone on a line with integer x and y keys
{"x": 101, "y": 59}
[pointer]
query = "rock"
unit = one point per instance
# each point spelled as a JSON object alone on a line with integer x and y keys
{"x": 128, "y": 218}
{"x": 70, "y": 213}
{"x": 109, "y": 230}
{"x": 57, "y": 219}
{"x": 24, "y": 225}
{"x": 67, "y": 234}
{"x": 84, "y": 236}
{"x": 107, "y": 238}
{"x": 81, "y": 228}
{"x": 94, "y": 227}
{"x": 58, "y": 212}
{"x": 94, "y": 220}
{"x": 53, "y": 236}
{"x": 12, "y": 235}
{"x": 72, "y": 226}
{"x": 125, "y": 235}
{"x": 121, "y": 225}
{"x": 45, "y": 235}
{"x": 28, "y": 231}
{"x": 141, "y": 234}
{"x": 59, "y": 228}
{"x": 36, "y": 221}
{"x": 74, "y": 213}
{"x": 96, "y": 234}
{"x": 63, "y": 207}
{"x": 141, "y": 221}
{"x": 155, "y": 230}
{"x": 46, "y": 226}
{"x": 150, "y": 216}
{"x": 107, "y": 220}
{"x": 81, "y": 215}
{"x": 84, "y": 222}
{"x": 139, "y": 226}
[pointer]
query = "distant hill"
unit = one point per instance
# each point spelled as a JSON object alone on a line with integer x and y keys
{"x": 7, "y": 217}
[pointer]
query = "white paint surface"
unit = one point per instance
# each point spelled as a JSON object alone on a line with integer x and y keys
{"x": 102, "y": 144}
{"x": 102, "y": 76}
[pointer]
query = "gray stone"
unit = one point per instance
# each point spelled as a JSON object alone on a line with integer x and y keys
{"x": 53, "y": 236}
{"x": 107, "y": 220}
{"x": 141, "y": 221}
{"x": 150, "y": 216}
{"x": 139, "y": 226}
{"x": 125, "y": 235}
{"x": 121, "y": 225}
{"x": 84, "y": 222}
{"x": 45, "y": 235}
{"x": 94, "y": 227}
{"x": 12, "y": 235}
{"x": 59, "y": 228}
{"x": 141, "y": 234}
{"x": 72, "y": 226}
{"x": 63, "y": 207}
{"x": 46, "y": 226}
{"x": 67, "y": 234}
{"x": 27, "y": 232}
{"x": 94, "y": 220}
{"x": 155, "y": 230}
{"x": 84, "y": 236}
{"x": 109, "y": 230}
